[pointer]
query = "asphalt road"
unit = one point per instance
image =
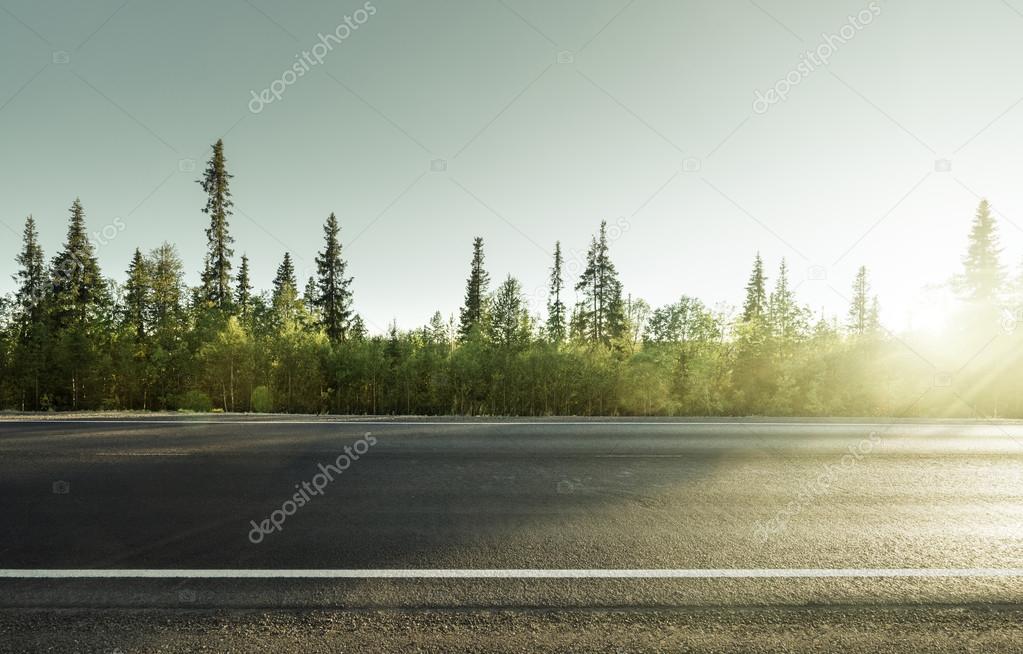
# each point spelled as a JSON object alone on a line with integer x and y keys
{"x": 175, "y": 494}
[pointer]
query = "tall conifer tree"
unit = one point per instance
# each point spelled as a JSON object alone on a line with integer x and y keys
{"x": 474, "y": 309}
{"x": 333, "y": 288}
{"x": 216, "y": 276}
{"x": 555, "y": 305}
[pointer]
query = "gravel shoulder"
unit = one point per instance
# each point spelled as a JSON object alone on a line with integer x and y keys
{"x": 796, "y": 630}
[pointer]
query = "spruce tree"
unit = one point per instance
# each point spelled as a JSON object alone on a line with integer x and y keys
{"x": 30, "y": 328}
{"x": 754, "y": 308}
{"x": 509, "y": 323}
{"x": 309, "y": 296}
{"x": 859, "y": 308}
{"x": 80, "y": 305}
{"x": 600, "y": 315}
{"x": 243, "y": 288}
{"x": 474, "y": 310}
{"x": 555, "y": 305}
{"x": 79, "y": 290}
{"x": 166, "y": 279}
{"x": 284, "y": 297}
{"x": 334, "y": 291}
{"x": 31, "y": 277}
{"x": 285, "y": 286}
{"x": 137, "y": 296}
{"x": 787, "y": 319}
{"x": 216, "y": 276}
{"x": 874, "y": 317}
{"x": 982, "y": 270}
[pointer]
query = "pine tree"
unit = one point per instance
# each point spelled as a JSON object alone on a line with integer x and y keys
{"x": 983, "y": 273}
{"x": 216, "y": 276}
{"x": 874, "y": 317}
{"x": 860, "y": 309}
{"x": 600, "y": 316}
{"x": 243, "y": 288}
{"x": 310, "y": 294}
{"x": 285, "y": 286}
{"x": 509, "y": 323}
{"x": 30, "y": 328}
{"x": 334, "y": 292}
{"x": 555, "y": 305}
{"x": 166, "y": 279}
{"x": 79, "y": 289}
{"x": 137, "y": 296}
{"x": 81, "y": 301}
{"x": 755, "y": 306}
{"x": 474, "y": 310}
{"x": 437, "y": 330}
{"x": 786, "y": 317}
{"x": 31, "y": 276}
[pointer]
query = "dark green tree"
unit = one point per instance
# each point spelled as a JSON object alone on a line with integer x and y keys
{"x": 216, "y": 275}
{"x": 334, "y": 288}
{"x": 29, "y": 320}
{"x": 137, "y": 294}
{"x": 243, "y": 289}
{"x": 600, "y": 315}
{"x": 555, "y": 305}
{"x": 285, "y": 300}
{"x": 509, "y": 319}
{"x": 31, "y": 276}
{"x": 474, "y": 310}
{"x": 79, "y": 317}
{"x": 755, "y": 306}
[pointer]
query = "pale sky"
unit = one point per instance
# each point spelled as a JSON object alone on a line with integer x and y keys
{"x": 548, "y": 116}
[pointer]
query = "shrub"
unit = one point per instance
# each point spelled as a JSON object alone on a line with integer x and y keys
{"x": 260, "y": 401}
{"x": 194, "y": 401}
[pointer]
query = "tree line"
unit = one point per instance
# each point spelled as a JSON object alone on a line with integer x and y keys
{"x": 73, "y": 339}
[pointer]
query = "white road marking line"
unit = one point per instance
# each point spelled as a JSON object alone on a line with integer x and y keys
{"x": 123, "y": 454}
{"x": 697, "y": 573}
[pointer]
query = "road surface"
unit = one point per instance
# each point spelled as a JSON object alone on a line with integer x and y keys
{"x": 672, "y": 534}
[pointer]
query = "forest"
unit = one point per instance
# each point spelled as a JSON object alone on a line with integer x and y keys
{"x": 72, "y": 338}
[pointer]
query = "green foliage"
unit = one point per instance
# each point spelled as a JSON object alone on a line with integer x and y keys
{"x": 216, "y": 276}
{"x": 555, "y": 327}
{"x": 68, "y": 342}
{"x": 260, "y": 401}
{"x": 600, "y": 315}
{"x": 332, "y": 294}
{"x": 474, "y": 311}
{"x": 195, "y": 401}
